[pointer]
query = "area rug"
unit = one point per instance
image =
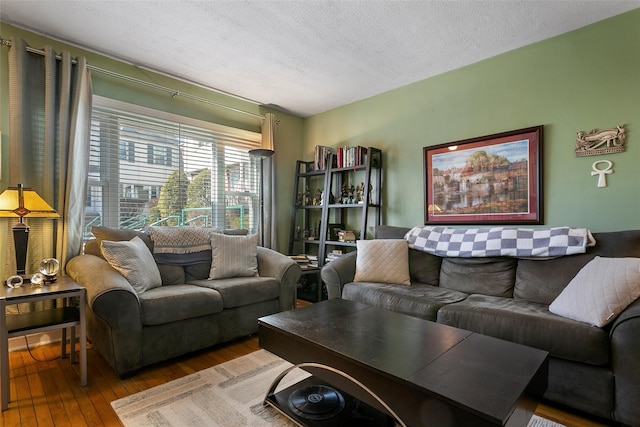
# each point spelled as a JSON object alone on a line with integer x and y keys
{"x": 226, "y": 395}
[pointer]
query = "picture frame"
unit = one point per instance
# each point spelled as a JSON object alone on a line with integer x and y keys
{"x": 332, "y": 231}
{"x": 493, "y": 179}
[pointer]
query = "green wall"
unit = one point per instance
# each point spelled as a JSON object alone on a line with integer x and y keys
{"x": 585, "y": 79}
{"x": 589, "y": 78}
{"x": 288, "y": 142}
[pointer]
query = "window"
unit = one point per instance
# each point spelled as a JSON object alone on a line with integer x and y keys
{"x": 151, "y": 168}
{"x": 159, "y": 155}
{"x": 127, "y": 151}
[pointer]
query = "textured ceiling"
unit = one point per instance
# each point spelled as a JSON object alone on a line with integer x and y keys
{"x": 304, "y": 57}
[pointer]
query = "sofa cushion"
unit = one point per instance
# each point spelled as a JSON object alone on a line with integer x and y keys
{"x": 134, "y": 261}
{"x": 183, "y": 259}
{"x": 601, "y": 290}
{"x": 197, "y": 272}
{"x": 424, "y": 268}
{"x": 178, "y": 302}
{"x": 421, "y": 301}
{"x": 239, "y": 291}
{"x": 541, "y": 281}
{"x": 233, "y": 256}
{"x": 390, "y": 232}
{"x": 172, "y": 274}
{"x": 529, "y": 324}
{"x": 487, "y": 276}
{"x": 383, "y": 261}
{"x": 115, "y": 235}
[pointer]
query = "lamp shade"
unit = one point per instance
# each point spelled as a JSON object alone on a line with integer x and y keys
{"x": 268, "y": 136}
{"x": 24, "y": 202}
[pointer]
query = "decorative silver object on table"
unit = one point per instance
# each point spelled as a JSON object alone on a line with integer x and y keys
{"x": 14, "y": 281}
{"x": 37, "y": 280}
{"x": 49, "y": 268}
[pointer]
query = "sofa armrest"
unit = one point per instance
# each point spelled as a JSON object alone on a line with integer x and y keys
{"x": 625, "y": 347}
{"x": 285, "y": 270}
{"x": 109, "y": 295}
{"x": 114, "y": 316}
{"x": 338, "y": 273}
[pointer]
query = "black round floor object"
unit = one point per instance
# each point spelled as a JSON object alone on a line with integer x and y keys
{"x": 316, "y": 402}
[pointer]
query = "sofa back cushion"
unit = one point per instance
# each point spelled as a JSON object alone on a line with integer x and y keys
{"x": 542, "y": 281}
{"x": 487, "y": 276}
{"x": 197, "y": 272}
{"x": 423, "y": 267}
{"x": 390, "y": 232}
{"x": 92, "y": 247}
{"x": 172, "y": 274}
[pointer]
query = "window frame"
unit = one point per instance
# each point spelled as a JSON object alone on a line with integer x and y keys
{"x": 224, "y": 135}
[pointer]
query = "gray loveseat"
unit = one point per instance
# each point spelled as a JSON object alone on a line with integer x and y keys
{"x": 187, "y": 313}
{"x": 591, "y": 369}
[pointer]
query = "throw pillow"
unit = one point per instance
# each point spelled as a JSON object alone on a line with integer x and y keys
{"x": 233, "y": 256}
{"x": 600, "y": 291}
{"x": 383, "y": 261}
{"x": 134, "y": 261}
{"x": 117, "y": 235}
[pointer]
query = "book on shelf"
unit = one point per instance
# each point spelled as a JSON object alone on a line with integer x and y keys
{"x": 300, "y": 259}
{"x": 321, "y": 153}
{"x": 348, "y": 157}
{"x": 336, "y": 253}
{"x": 305, "y": 260}
{"x": 346, "y": 236}
{"x": 344, "y": 157}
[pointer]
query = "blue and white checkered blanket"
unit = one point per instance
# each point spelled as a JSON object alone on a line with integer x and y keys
{"x": 500, "y": 241}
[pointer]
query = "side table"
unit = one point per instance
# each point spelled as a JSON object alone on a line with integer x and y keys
{"x": 16, "y": 325}
{"x": 311, "y": 274}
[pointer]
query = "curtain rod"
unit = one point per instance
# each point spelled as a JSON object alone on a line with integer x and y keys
{"x": 173, "y": 92}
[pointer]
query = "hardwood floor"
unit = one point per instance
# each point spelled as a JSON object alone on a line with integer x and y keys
{"x": 48, "y": 393}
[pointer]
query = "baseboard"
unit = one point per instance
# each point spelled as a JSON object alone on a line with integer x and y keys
{"x": 35, "y": 340}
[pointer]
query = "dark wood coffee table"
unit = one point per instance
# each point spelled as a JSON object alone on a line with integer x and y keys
{"x": 429, "y": 374}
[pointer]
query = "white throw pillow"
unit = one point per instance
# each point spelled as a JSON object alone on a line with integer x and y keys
{"x": 383, "y": 261}
{"x": 233, "y": 256}
{"x": 134, "y": 261}
{"x": 600, "y": 291}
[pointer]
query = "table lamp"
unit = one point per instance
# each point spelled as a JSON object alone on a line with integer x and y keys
{"x": 23, "y": 202}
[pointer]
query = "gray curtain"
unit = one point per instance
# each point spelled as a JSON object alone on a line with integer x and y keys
{"x": 49, "y": 126}
{"x": 269, "y": 204}
{"x": 268, "y": 222}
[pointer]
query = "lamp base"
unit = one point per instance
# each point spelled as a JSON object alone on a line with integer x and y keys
{"x": 26, "y": 278}
{"x": 21, "y": 242}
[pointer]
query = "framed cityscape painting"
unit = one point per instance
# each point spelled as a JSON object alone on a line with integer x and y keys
{"x": 493, "y": 179}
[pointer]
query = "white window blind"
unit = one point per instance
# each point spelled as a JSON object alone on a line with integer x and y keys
{"x": 151, "y": 168}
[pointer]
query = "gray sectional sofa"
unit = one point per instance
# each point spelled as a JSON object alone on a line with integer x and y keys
{"x": 592, "y": 369}
{"x": 188, "y": 312}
